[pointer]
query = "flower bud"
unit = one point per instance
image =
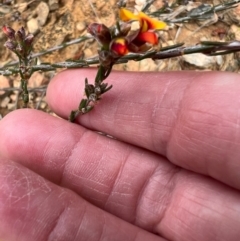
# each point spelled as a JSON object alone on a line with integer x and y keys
{"x": 29, "y": 39}
{"x": 20, "y": 50}
{"x": 89, "y": 89}
{"x": 20, "y": 34}
{"x": 100, "y": 32}
{"x": 148, "y": 37}
{"x": 10, "y": 45}
{"x": 9, "y": 32}
{"x": 93, "y": 97}
{"x": 119, "y": 47}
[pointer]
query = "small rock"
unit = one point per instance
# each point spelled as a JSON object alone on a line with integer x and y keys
{"x": 5, "y": 102}
{"x": 40, "y": 102}
{"x": 35, "y": 80}
{"x": 43, "y": 105}
{"x": 143, "y": 65}
{"x": 21, "y": 7}
{"x": 11, "y": 106}
{"x": 139, "y": 4}
{"x": 4, "y": 83}
{"x": 33, "y": 25}
{"x": 53, "y": 5}
{"x": 234, "y": 29}
{"x": 4, "y": 9}
{"x": 161, "y": 65}
{"x": 230, "y": 63}
{"x": 87, "y": 53}
{"x": 31, "y": 96}
{"x": 16, "y": 83}
{"x": 202, "y": 61}
{"x": 42, "y": 12}
{"x": 81, "y": 26}
{"x": 13, "y": 97}
{"x": 147, "y": 65}
{"x": 235, "y": 14}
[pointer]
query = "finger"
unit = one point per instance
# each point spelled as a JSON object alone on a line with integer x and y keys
{"x": 192, "y": 118}
{"x": 32, "y": 208}
{"x": 133, "y": 184}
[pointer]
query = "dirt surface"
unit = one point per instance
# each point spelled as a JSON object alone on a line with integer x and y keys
{"x": 54, "y": 22}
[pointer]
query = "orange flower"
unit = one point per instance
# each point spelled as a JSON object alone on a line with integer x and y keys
{"x": 119, "y": 43}
{"x": 146, "y": 23}
{"x": 137, "y": 41}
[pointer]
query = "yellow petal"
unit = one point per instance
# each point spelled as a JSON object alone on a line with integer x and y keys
{"x": 150, "y": 23}
{"x": 126, "y": 15}
{"x": 144, "y": 26}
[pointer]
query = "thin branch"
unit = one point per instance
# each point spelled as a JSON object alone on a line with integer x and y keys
{"x": 50, "y": 50}
{"x": 201, "y": 12}
{"x": 209, "y": 48}
{"x": 40, "y": 101}
{"x": 35, "y": 89}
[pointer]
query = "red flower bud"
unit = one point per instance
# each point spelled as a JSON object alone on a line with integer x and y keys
{"x": 29, "y": 39}
{"x": 10, "y": 45}
{"x": 119, "y": 47}
{"x": 20, "y": 34}
{"x": 9, "y": 32}
{"x": 100, "y": 32}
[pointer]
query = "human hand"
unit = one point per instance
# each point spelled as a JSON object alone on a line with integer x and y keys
{"x": 172, "y": 174}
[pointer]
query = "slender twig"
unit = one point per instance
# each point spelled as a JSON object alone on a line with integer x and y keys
{"x": 202, "y": 14}
{"x": 209, "y": 48}
{"x": 94, "y": 10}
{"x": 17, "y": 98}
{"x": 35, "y": 89}
{"x": 147, "y": 5}
{"x": 41, "y": 99}
{"x": 50, "y": 50}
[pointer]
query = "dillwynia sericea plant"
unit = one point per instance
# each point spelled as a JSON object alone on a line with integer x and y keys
{"x": 115, "y": 43}
{"x": 134, "y": 37}
{"x": 21, "y": 44}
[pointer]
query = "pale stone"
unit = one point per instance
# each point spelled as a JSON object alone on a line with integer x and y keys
{"x": 32, "y": 25}
{"x": 87, "y": 53}
{"x": 5, "y": 102}
{"x": 202, "y": 61}
{"x": 11, "y": 106}
{"x": 4, "y": 83}
{"x": 81, "y": 26}
{"x": 53, "y": 5}
{"x": 43, "y": 105}
{"x": 42, "y": 11}
{"x": 35, "y": 80}
{"x": 234, "y": 29}
{"x": 13, "y": 97}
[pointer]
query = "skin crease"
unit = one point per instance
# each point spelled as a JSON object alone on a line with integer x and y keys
{"x": 172, "y": 173}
